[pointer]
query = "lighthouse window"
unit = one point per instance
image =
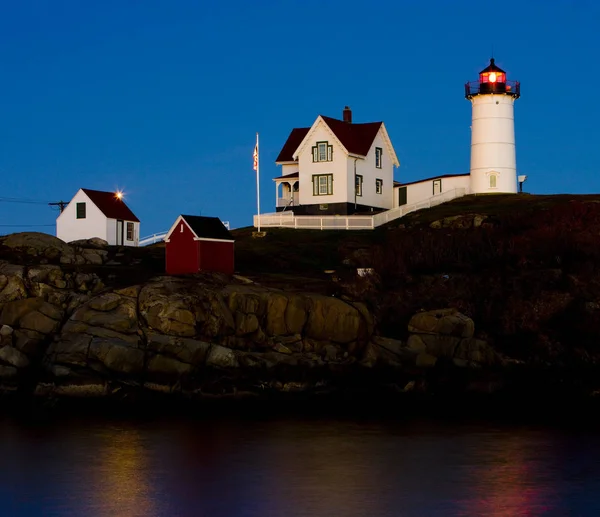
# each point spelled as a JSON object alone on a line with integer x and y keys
{"x": 378, "y": 186}
{"x": 378, "y": 155}
{"x": 322, "y": 152}
{"x": 493, "y": 181}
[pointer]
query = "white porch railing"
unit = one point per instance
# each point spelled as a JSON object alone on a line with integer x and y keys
{"x": 151, "y": 239}
{"x": 287, "y": 201}
{"x": 401, "y": 211}
{"x": 352, "y": 222}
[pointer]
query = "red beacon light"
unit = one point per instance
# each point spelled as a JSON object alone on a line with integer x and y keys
{"x": 492, "y": 80}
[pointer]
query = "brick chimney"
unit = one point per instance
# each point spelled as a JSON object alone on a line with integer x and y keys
{"x": 347, "y": 114}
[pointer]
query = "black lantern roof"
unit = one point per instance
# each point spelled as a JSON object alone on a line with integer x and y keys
{"x": 492, "y": 67}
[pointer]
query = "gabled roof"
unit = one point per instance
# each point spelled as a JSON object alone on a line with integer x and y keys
{"x": 203, "y": 228}
{"x": 110, "y": 205}
{"x": 356, "y": 138}
{"x": 291, "y": 144}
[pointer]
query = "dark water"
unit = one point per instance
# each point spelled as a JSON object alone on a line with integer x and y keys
{"x": 296, "y": 467}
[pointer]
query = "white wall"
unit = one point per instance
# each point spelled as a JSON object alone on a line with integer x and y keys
{"x": 493, "y": 144}
{"x": 69, "y": 228}
{"x": 366, "y": 168}
{"x": 337, "y": 167}
{"x": 111, "y": 232}
{"x": 289, "y": 168}
{"x": 416, "y": 192}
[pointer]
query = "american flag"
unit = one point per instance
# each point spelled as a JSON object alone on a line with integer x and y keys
{"x": 255, "y": 155}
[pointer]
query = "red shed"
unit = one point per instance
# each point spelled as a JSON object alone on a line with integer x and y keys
{"x": 196, "y": 243}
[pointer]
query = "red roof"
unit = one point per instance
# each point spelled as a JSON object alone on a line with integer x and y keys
{"x": 111, "y": 206}
{"x": 292, "y": 143}
{"x": 356, "y": 138}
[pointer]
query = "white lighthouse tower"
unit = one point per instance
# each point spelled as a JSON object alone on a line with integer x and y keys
{"x": 493, "y": 160}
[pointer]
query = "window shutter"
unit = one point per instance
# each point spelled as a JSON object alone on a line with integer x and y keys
{"x": 315, "y": 154}
{"x": 315, "y": 186}
{"x": 330, "y": 184}
{"x": 329, "y": 153}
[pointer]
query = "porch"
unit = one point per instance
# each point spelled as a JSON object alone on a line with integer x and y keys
{"x": 287, "y": 192}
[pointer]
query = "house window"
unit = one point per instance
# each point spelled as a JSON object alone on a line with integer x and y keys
{"x": 358, "y": 184}
{"x": 322, "y": 184}
{"x": 323, "y": 207}
{"x": 378, "y": 186}
{"x": 322, "y": 152}
{"x": 493, "y": 181}
{"x": 80, "y": 210}
{"x": 129, "y": 231}
{"x": 378, "y": 156}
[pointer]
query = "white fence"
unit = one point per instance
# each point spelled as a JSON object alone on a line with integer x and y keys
{"x": 151, "y": 239}
{"x": 352, "y": 222}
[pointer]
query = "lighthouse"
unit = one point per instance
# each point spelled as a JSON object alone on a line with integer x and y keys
{"x": 493, "y": 159}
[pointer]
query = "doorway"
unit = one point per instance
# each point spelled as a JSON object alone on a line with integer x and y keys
{"x": 119, "y": 232}
{"x": 401, "y": 196}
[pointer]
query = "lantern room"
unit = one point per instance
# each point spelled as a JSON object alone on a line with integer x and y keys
{"x": 492, "y": 79}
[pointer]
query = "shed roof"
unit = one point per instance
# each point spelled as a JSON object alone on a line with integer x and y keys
{"x": 207, "y": 227}
{"x": 110, "y": 205}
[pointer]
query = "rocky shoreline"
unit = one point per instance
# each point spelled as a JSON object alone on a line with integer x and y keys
{"x": 72, "y": 329}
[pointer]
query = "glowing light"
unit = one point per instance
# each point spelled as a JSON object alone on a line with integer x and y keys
{"x": 492, "y": 77}
{"x": 119, "y": 194}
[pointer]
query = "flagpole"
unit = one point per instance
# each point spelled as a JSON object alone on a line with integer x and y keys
{"x": 258, "y": 181}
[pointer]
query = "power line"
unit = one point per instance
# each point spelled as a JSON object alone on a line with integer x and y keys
{"x": 25, "y": 225}
{"x": 21, "y": 200}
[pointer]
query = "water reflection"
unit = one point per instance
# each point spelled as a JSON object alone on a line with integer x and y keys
{"x": 295, "y": 468}
{"x": 120, "y": 474}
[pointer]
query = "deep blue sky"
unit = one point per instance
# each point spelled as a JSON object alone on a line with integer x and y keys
{"x": 163, "y": 98}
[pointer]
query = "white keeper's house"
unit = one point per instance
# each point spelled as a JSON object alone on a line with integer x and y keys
{"x": 338, "y": 174}
{"x": 95, "y": 213}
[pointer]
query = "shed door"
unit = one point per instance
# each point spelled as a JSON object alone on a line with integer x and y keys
{"x": 437, "y": 187}
{"x": 401, "y": 196}
{"x": 119, "y": 232}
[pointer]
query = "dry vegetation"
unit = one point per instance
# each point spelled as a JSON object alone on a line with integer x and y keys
{"x": 529, "y": 276}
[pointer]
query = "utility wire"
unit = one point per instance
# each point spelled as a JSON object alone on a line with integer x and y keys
{"x": 25, "y": 225}
{"x": 21, "y": 200}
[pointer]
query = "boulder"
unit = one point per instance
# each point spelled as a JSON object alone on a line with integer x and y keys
{"x": 93, "y": 243}
{"x": 13, "y": 357}
{"x": 448, "y": 322}
{"x": 12, "y": 286}
{"x": 121, "y": 317}
{"x": 33, "y": 314}
{"x": 221, "y": 357}
{"x": 37, "y": 244}
{"x": 182, "y": 349}
{"x": 330, "y": 319}
{"x": 116, "y": 355}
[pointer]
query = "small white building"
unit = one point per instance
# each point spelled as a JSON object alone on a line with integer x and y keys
{"x": 420, "y": 190}
{"x": 336, "y": 167}
{"x": 95, "y": 213}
